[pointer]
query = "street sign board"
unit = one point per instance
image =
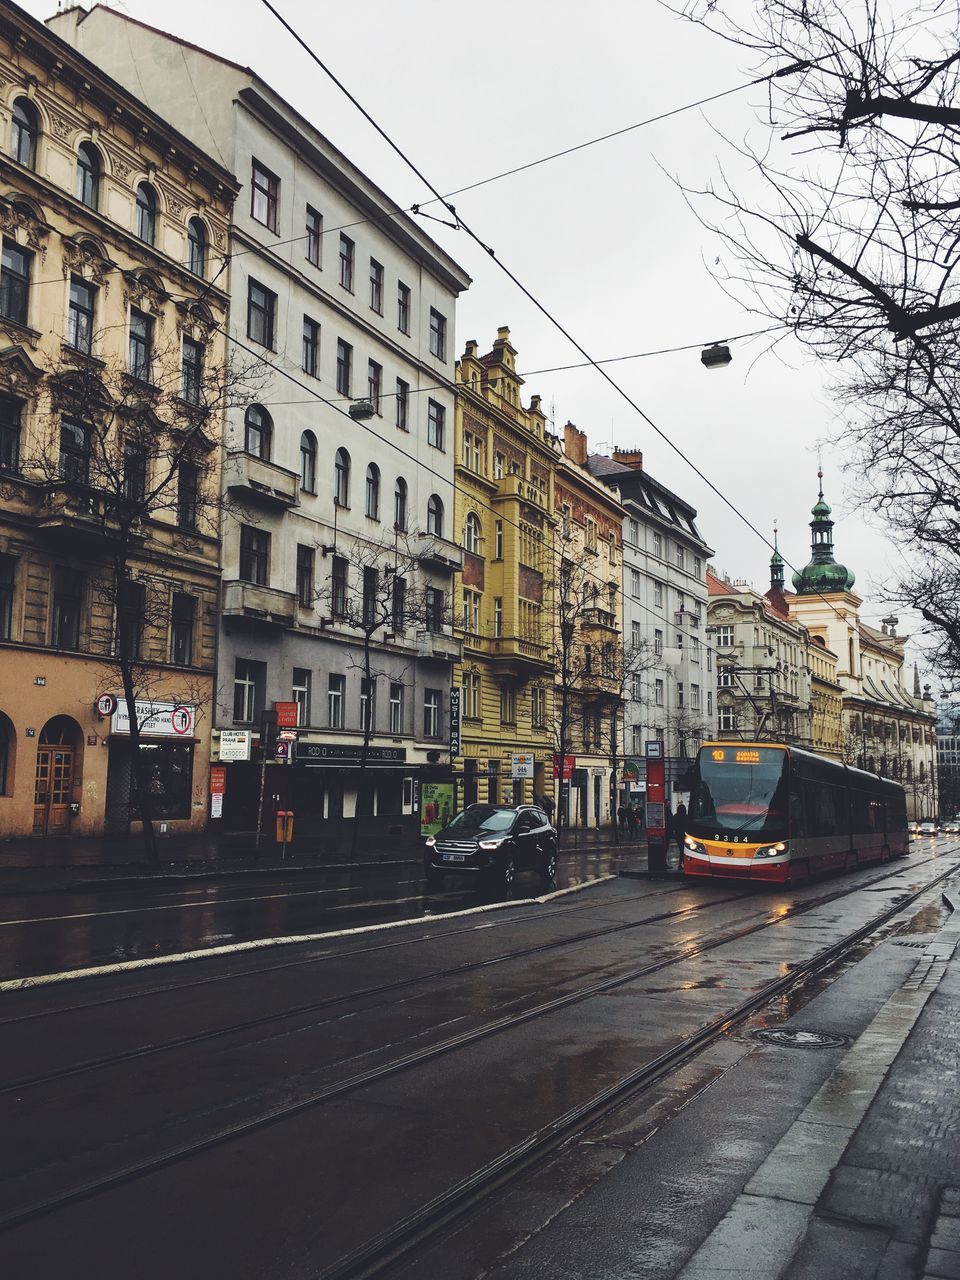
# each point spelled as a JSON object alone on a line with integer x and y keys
{"x": 218, "y": 780}
{"x": 235, "y": 744}
{"x": 106, "y": 704}
{"x": 654, "y": 749}
{"x": 288, "y": 714}
{"x": 522, "y": 764}
{"x": 157, "y": 719}
{"x": 566, "y": 773}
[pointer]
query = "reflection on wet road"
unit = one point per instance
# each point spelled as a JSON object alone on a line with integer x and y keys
{"x": 57, "y": 932}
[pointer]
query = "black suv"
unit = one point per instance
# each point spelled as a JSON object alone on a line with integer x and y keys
{"x": 492, "y": 842}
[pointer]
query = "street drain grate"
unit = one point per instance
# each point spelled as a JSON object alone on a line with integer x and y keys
{"x": 789, "y": 1038}
{"x": 904, "y": 942}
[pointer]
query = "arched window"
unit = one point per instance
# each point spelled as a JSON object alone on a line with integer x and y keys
{"x": 146, "y": 213}
{"x": 909, "y": 770}
{"x": 308, "y": 462}
{"x": 88, "y": 175}
{"x": 923, "y": 772}
{"x": 26, "y": 130}
{"x": 341, "y": 481}
{"x": 471, "y": 534}
{"x": 435, "y": 516}
{"x": 372, "y": 508}
{"x": 259, "y": 430}
{"x": 400, "y": 505}
{"x": 197, "y": 247}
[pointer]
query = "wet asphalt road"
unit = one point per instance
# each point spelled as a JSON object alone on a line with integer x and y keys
{"x": 263, "y": 1114}
{"x": 57, "y": 932}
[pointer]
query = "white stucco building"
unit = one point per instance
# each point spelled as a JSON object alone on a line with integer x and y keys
{"x": 336, "y": 296}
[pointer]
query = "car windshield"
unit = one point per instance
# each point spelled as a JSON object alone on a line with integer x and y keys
{"x": 739, "y": 792}
{"x": 483, "y": 817}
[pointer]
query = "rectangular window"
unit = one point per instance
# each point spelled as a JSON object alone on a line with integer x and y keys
{"x": 403, "y": 307}
{"x": 636, "y": 739}
{"x": 300, "y": 689}
{"x": 249, "y": 682}
{"x": 695, "y": 697}
{"x": 636, "y": 686}
{"x": 633, "y": 532}
{"x": 658, "y": 594}
{"x": 396, "y": 708}
{"x": 498, "y": 540}
{"x": 658, "y": 642}
{"x": 438, "y": 334}
{"x": 508, "y": 705}
{"x": 403, "y": 404}
{"x": 681, "y": 557}
{"x": 371, "y": 588}
{"x": 724, "y": 677}
{"x": 498, "y": 616}
{"x": 314, "y": 230}
{"x": 188, "y": 489}
{"x": 436, "y": 420}
{"x": 724, "y": 637}
{"x": 182, "y": 613}
{"x": 141, "y": 345}
{"x": 658, "y": 546}
{"x": 471, "y": 611}
{"x": 376, "y": 286}
{"x": 679, "y": 694}
{"x": 636, "y": 637}
{"x": 399, "y": 605}
{"x": 254, "y": 555}
{"x": 658, "y": 692}
{"x": 75, "y": 452}
{"x": 431, "y": 713}
{"x": 538, "y": 707}
{"x": 709, "y": 702}
{"x": 590, "y": 535}
{"x": 15, "y": 283}
{"x": 131, "y": 608}
{"x": 264, "y": 196}
{"x": 471, "y": 695}
{"x": 635, "y": 585}
{"x": 499, "y": 463}
{"x": 311, "y": 346}
{"x": 338, "y": 587}
{"x": 344, "y": 367}
{"x": 697, "y": 567}
{"x": 727, "y": 719}
{"x": 191, "y": 371}
{"x": 346, "y": 262}
{"x": 8, "y": 568}
{"x": 261, "y": 314}
{"x": 9, "y": 434}
{"x": 67, "y": 606}
{"x": 80, "y": 319}
{"x": 336, "y": 685}
{"x": 434, "y": 601}
{"x": 374, "y": 383}
{"x": 368, "y": 703}
{"x": 305, "y": 579}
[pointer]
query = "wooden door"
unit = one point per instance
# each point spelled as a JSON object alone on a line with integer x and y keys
{"x": 54, "y": 785}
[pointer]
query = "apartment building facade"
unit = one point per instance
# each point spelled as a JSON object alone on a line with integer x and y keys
{"x": 111, "y": 356}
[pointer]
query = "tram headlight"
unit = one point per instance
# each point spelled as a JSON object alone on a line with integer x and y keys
{"x": 694, "y": 846}
{"x": 771, "y": 850}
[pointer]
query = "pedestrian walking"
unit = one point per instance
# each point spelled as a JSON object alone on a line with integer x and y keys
{"x": 680, "y": 824}
{"x": 622, "y": 818}
{"x": 632, "y": 821}
{"x": 546, "y": 804}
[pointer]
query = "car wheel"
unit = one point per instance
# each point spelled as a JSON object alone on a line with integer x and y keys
{"x": 506, "y": 874}
{"x": 548, "y": 871}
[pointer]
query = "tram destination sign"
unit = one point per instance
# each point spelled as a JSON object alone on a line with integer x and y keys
{"x": 337, "y": 753}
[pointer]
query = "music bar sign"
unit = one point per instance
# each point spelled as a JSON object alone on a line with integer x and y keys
{"x": 454, "y": 721}
{"x": 340, "y": 753}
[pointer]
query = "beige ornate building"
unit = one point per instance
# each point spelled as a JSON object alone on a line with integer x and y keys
{"x": 111, "y": 360}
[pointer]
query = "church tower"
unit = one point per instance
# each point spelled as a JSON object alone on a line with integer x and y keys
{"x": 823, "y": 575}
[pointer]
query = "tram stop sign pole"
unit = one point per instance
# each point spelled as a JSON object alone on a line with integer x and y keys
{"x": 656, "y": 814}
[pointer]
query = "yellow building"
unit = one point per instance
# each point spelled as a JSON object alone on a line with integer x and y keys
{"x": 826, "y": 699}
{"x": 505, "y": 596}
{"x": 111, "y": 335}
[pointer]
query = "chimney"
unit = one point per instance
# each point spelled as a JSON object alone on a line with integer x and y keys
{"x": 575, "y": 444}
{"x": 632, "y": 458}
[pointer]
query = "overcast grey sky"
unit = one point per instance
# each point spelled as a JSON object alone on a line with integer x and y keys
{"x": 603, "y": 238}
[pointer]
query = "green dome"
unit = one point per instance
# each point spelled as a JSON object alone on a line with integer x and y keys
{"x": 822, "y": 575}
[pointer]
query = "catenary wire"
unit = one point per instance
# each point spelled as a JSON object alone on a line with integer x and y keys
{"x": 528, "y": 294}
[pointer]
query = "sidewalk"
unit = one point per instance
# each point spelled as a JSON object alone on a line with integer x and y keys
{"x": 59, "y": 865}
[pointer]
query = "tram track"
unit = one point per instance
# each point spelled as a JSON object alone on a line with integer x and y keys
{"x": 466, "y": 1194}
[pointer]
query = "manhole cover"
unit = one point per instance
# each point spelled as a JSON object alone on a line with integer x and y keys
{"x": 792, "y": 1039}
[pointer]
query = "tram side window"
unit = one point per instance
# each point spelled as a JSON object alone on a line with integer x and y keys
{"x": 827, "y": 817}
{"x": 863, "y": 817}
{"x": 798, "y": 817}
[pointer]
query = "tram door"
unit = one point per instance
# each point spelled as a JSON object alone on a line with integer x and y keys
{"x": 54, "y": 783}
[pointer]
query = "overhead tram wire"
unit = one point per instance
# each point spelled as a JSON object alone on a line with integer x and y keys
{"x": 531, "y": 297}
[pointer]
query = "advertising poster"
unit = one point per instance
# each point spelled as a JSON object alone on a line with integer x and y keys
{"x": 436, "y": 807}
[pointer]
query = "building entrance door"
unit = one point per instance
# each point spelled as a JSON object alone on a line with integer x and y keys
{"x": 53, "y": 787}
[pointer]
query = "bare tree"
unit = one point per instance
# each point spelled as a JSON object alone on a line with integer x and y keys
{"x": 388, "y": 598}
{"x": 130, "y": 461}
{"x": 623, "y": 667}
{"x": 857, "y": 250}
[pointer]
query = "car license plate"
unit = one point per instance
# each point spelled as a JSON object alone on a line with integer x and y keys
{"x": 454, "y": 857}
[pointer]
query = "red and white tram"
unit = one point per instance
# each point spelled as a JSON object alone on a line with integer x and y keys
{"x": 766, "y": 811}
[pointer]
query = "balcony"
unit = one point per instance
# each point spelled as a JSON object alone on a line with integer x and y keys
{"x": 441, "y": 646}
{"x": 253, "y": 603}
{"x": 258, "y": 482}
{"x": 602, "y": 618}
{"x": 435, "y": 552}
{"x": 519, "y": 657}
{"x": 81, "y": 516}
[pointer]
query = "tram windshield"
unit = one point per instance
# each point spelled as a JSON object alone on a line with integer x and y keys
{"x": 740, "y": 792}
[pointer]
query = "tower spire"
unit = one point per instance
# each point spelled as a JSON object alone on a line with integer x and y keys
{"x": 822, "y": 574}
{"x": 776, "y": 562}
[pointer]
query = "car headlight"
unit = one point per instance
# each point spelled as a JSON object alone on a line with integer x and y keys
{"x": 771, "y": 850}
{"x": 430, "y": 842}
{"x": 490, "y": 844}
{"x": 694, "y": 846}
